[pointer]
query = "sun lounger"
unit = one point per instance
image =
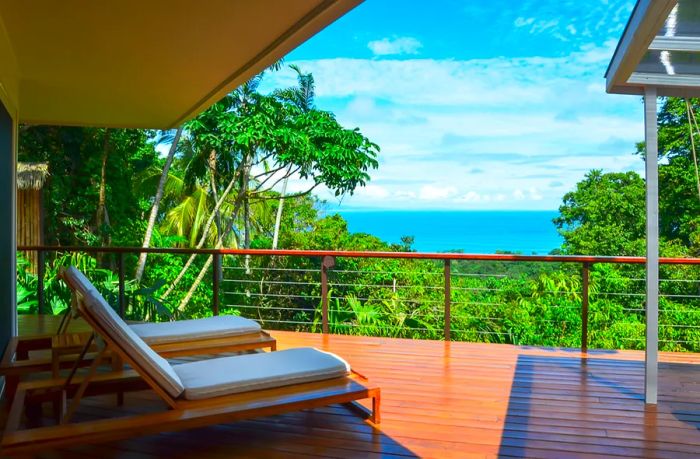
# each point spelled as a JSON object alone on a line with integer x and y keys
{"x": 199, "y": 393}
{"x": 211, "y": 335}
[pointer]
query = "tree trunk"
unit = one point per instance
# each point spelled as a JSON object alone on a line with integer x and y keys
{"x": 214, "y": 191}
{"x": 246, "y": 210}
{"x": 241, "y": 200}
{"x": 246, "y": 221}
{"x": 198, "y": 280}
{"x": 103, "y": 183}
{"x": 156, "y": 203}
{"x": 102, "y": 196}
{"x": 278, "y": 217}
{"x": 203, "y": 239}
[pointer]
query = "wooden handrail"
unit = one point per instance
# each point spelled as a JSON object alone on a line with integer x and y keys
{"x": 365, "y": 254}
{"x": 328, "y": 258}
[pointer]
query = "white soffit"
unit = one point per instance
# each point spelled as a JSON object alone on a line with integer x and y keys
{"x": 660, "y": 47}
{"x": 150, "y": 64}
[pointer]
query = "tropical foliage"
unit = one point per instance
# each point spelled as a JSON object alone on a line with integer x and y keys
{"x": 218, "y": 187}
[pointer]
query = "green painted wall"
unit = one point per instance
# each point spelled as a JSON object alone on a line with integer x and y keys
{"x": 7, "y": 228}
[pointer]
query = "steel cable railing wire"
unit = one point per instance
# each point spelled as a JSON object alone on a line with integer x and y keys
{"x": 395, "y": 287}
{"x": 284, "y": 290}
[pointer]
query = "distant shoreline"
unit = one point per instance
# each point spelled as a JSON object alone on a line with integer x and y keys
{"x": 471, "y": 231}
{"x": 351, "y": 210}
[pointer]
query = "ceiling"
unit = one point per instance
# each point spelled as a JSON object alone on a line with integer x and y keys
{"x": 151, "y": 64}
{"x": 659, "y": 48}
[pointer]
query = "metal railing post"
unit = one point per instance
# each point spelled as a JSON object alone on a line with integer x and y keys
{"x": 40, "y": 273}
{"x": 327, "y": 262}
{"x": 216, "y": 273}
{"x": 448, "y": 300}
{"x": 585, "y": 264}
{"x": 122, "y": 293}
{"x": 585, "y": 275}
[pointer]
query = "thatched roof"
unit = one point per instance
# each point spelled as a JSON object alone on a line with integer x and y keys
{"x": 31, "y": 176}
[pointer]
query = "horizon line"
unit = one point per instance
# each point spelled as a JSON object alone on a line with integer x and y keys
{"x": 376, "y": 209}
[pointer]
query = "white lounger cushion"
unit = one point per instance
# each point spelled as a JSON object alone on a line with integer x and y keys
{"x": 182, "y": 330}
{"x": 155, "y": 366}
{"x": 229, "y": 375}
{"x": 214, "y": 377}
{"x": 185, "y": 330}
{"x": 81, "y": 283}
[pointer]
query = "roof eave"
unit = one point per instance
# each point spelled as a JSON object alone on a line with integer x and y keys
{"x": 661, "y": 91}
{"x": 129, "y": 70}
{"x": 315, "y": 21}
{"x": 646, "y": 20}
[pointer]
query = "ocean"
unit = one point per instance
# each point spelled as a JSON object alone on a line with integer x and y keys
{"x": 526, "y": 232}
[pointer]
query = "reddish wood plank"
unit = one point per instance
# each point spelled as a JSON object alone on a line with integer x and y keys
{"x": 454, "y": 400}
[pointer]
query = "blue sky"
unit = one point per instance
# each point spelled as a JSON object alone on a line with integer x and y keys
{"x": 478, "y": 104}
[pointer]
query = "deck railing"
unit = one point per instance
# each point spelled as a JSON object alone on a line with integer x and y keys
{"x": 292, "y": 288}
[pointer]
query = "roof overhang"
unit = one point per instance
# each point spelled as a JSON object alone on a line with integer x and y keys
{"x": 135, "y": 63}
{"x": 658, "y": 48}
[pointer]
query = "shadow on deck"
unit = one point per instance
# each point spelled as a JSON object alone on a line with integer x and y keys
{"x": 595, "y": 406}
{"x": 454, "y": 400}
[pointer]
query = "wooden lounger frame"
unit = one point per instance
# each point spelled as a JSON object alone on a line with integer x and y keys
{"x": 183, "y": 414}
{"x": 16, "y": 363}
{"x": 199, "y": 346}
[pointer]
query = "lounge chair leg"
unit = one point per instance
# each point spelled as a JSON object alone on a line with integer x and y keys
{"x": 11, "y": 383}
{"x": 67, "y": 316}
{"x": 81, "y": 357}
{"x": 117, "y": 365}
{"x": 33, "y": 413}
{"x": 365, "y": 413}
{"x": 18, "y": 349}
{"x": 376, "y": 416}
{"x": 83, "y": 387}
{"x": 59, "y": 405}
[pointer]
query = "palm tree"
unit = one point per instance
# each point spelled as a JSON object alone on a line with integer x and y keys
{"x": 187, "y": 218}
{"x": 215, "y": 147}
{"x": 303, "y": 97}
{"x": 255, "y": 138}
{"x": 102, "y": 217}
{"x": 156, "y": 202}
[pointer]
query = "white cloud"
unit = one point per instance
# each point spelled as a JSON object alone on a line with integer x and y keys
{"x": 544, "y": 25}
{"x": 373, "y": 192}
{"x": 535, "y": 195}
{"x": 512, "y": 81}
{"x": 536, "y": 26}
{"x": 362, "y": 106}
{"x": 522, "y": 123}
{"x": 522, "y": 22}
{"x": 471, "y": 196}
{"x": 406, "y": 194}
{"x": 569, "y": 21}
{"x": 394, "y": 46}
{"x": 432, "y": 193}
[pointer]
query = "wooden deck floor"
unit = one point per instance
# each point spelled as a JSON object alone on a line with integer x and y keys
{"x": 458, "y": 400}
